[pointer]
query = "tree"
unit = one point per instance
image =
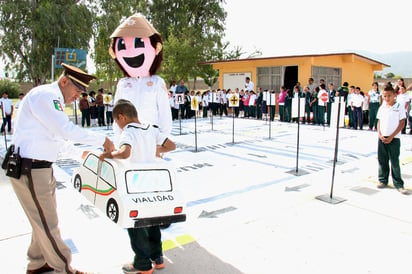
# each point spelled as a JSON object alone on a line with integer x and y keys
{"x": 30, "y": 30}
{"x": 192, "y": 32}
{"x": 389, "y": 75}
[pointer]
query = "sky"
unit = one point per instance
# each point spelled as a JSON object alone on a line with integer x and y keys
{"x": 293, "y": 27}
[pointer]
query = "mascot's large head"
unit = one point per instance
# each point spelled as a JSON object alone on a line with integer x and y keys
{"x": 136, "y": 47}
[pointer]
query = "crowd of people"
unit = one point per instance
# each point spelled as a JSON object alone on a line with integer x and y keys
{"x": 96, "y": 110}
{"x": 360, "y": 107}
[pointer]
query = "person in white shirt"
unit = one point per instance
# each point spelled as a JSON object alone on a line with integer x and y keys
{"x": 356, "y": 106}
{"x": 108, "y": 102}
{"x": 6, "y": 106}
{"x": 39, "y": 132}
{"x": 252, "y": 104}
{"x": 391, "y": 119}
{"x": 140, "y": 143}
{"x": 249, "y": 86}
{"x": 322, "y": 104}
{"x": 374, "y": 103}
{"x": 403, "y": 99}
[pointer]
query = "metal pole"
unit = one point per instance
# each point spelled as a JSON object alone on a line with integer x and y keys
{"x": 52, "y": 68}
{"x": 270, "y": 115}
{"x": 297, "y": 142}
{"x": 336, "y": 148}
{"x": 233, "y": 125}
{"x": 195, "y": 133}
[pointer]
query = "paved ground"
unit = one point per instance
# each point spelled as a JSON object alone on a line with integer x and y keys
{"x": 248, "y": 211}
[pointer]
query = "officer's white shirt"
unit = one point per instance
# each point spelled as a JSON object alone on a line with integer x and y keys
{"x": 389, "y": 117}
{"x": 150, "y": 97}
{"x": 42, "y": 126}
{"x": 143, "y": 140}
{"x": 7, "y": 104}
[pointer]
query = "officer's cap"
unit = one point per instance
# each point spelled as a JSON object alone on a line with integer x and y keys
{"x": 80, "y": 78}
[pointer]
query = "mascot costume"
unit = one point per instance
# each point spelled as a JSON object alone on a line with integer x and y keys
{"x": 136, "y": 47}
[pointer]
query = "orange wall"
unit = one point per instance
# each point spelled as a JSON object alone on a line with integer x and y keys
{"x": 356, "y": 70}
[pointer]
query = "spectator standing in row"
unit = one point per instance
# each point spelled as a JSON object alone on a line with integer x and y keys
{"x": 7, "y": 108}
{"x": 306, "y": 93}
{"x": 365, "y": 108}
{"x": 109, "y": 103}
{"x": 281, "y": 101}
{"x": 314, "y": 104}
{"x": 332, "y": 94}
{"x": 322, "y": 104}
{"x": 391, "y": 120}
{"x": 205, "y": 103}
{"x": 259, "y": 98}
{"x": 252, "y": 104}
{"x": 100, "y": 107}
{"x": 249, "y": 86}
{"x": 356, "y": 106}
{"x": 93, "y": 108}
{"x": 173, "y": 87}
{"x": 85, "y": 110}
{"x": 403, "y": 99}
{"x": 182, "y": 89}
{"x": 374, "y": 102}
{"x": 349, "y": 105}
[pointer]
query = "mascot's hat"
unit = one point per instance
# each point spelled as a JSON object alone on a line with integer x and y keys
{"x": 80, "y": 78}
{"x": 134, "y": 26}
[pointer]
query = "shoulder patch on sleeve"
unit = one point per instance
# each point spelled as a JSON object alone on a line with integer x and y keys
{"x": 57, "y": 105}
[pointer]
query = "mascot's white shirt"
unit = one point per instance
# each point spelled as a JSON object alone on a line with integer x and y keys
{"x": 150, "y": 97}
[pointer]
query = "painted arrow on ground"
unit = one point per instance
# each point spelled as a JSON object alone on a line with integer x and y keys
{"x": 213, "y": 214}
{"x": 296, "y": 188}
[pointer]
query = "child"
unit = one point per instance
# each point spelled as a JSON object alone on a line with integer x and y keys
{"x": 391, "y": 120}
{"x": 138, "y": 143}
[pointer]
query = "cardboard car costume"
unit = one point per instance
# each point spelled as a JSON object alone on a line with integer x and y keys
{"x": 137, "y": 48}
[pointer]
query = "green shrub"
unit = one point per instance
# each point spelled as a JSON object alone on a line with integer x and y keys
{"x": 13, "y": 89}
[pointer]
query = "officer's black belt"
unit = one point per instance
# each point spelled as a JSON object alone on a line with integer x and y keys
{"x": 40, "y": 164}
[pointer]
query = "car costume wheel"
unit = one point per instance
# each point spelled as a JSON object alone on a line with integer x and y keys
{"x": 112, "y": 210}
{"x": 77, "y": 183}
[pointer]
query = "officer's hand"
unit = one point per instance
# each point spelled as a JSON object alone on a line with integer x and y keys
{"x": 108, "y": 145}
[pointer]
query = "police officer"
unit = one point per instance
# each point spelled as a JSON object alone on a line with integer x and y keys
{"x": 41, "y": 127}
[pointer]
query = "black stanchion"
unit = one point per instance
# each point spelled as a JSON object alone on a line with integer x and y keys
{"x": 180, "y": 120}
{"x": 296, "y": 171}
{"x": 233, "y": 125}
{"x": 329, "y": 198}
{"x": 270, "y": 115}
{"x": 195, "y": 133}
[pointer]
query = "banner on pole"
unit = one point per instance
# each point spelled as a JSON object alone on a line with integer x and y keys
{"x": 334, "y": 112}
{"x": 295, "y": 104}
{"x": 194, "y": 103}
{"x": 179, "y": 98}
{"x": 234, "y": 100}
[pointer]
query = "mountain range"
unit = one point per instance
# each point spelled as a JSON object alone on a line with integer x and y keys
{"x": 400, "y": 62}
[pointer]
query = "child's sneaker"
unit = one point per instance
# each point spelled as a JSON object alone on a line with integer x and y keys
{"x": 159, "y": 263}
{"x": 129, "y": 269}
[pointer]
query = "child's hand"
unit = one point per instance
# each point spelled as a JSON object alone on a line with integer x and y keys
{"x": 104, "y": 155}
